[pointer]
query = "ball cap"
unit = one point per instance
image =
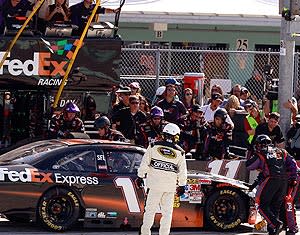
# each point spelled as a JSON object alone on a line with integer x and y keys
{"x": 196, "y": 108}
{"x": 171, "y": 81}
{"x": 216, "y": 96}
{"x": 124, "y": 89}
{"x": 135, "y": 85}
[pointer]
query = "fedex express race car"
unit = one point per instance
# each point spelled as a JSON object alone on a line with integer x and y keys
{"x": 60, "y": 182}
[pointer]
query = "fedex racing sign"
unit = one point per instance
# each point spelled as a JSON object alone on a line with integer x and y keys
{"x": 39, "y": 65}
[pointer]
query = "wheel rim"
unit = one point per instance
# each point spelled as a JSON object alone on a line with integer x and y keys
{"x": 225, "y": 210}
{"x": 59, "y": 210}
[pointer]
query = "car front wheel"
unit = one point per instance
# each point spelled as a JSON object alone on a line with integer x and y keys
{"x": 225, "y": 209}
{"x": 59, "y": 209}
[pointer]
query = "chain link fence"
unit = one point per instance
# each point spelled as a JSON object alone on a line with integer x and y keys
{"x": 151, "y": 66}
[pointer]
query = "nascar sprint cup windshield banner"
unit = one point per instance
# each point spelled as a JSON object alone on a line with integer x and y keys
{"x": 42, "y": 63}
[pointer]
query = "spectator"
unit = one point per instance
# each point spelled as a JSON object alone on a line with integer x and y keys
{"x": 58, "y": 11}
{"x": 80, "y": 12}
{"x": 210, "y": 109}
{"x": 215, "y": 89}
{"x": 293, "y": 139}
{"x": 244, "y": 95}
{"x": 233, "y": 105}
{"x": 173, "y": 109}
{"x": 252, "y": 120}
{"x": 159, "y": 95}
{"x": 128, "y": 121}
{"x": 272, "y": 129}
{"x": 292, "y": 105}
{"x": 236, "y": 90}
{"x": 123, "y": 100}
{"x": 188, "y": 99}
{"x": 63, "y": 124}
{"x": 144, "y": 105}
{"x": 255, "y": 86}
{"x": 135, "y": 88}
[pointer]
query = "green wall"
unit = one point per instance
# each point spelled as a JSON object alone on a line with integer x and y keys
{"x": 203, "y": 34}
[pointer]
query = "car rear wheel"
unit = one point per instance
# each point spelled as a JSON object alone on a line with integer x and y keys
{"x": 225, "y": 209}
{"x": 59, "y": 209}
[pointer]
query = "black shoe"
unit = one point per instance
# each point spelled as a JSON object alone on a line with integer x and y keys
{"x": 291, "y": 232}
{"x": 278, "y": 228}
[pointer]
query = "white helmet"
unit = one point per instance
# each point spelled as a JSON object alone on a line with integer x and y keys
{"x": 171, "y": 129}
{"x": 160, "y": 90}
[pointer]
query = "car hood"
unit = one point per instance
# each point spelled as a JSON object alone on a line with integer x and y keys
{"x": 216, "y": 178}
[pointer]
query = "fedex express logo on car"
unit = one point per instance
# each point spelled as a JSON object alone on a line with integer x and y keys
{"x": 28, "y": 175}
{"x": 33, "y": 175}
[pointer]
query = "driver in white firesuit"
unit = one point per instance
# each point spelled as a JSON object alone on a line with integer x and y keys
{"x": 164, "y": 166}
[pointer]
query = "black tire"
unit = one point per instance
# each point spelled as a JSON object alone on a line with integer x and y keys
{"x": 59, "y": 209}
{"x": 225, "y": 209}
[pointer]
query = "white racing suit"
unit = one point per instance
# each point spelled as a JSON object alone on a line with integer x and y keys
{"x": 164, "y": 166}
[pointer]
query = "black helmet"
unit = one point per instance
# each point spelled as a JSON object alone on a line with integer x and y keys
{"x": 101, "y": 122}
{"x": 262, "y": 142}
{"x": 222, "y": 113}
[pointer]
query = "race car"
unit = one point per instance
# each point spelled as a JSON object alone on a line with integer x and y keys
{"x": 60, "y": 182}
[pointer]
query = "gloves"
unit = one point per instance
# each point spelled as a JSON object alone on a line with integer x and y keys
{"x": 292, "y": 183}
{"x": 180, "y": 190}
{"x": 140, "y": 182}
{"x": 253, "y": 186}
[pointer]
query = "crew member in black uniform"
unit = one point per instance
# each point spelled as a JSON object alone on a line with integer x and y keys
{"x": 192, "y": 128}
{"x": 278, "y": 168}
{"x": 61, "y": 125}
{"x": 152, "y": 129}
{"x": 102, "y": 124}
{"x": 80, "y": 13}
{"x": 217, "y": 137}
{"x": 128, "y": 121}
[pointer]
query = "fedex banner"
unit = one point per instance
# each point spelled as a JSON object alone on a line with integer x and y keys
{"x": 42, "y": 62}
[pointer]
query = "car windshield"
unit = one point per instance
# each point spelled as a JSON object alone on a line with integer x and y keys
{"x": 33, "y": 149}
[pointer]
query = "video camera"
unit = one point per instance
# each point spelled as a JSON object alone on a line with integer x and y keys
{"x": 271, "y": 84}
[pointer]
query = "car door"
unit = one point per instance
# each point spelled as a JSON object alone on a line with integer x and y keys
{"x": 117, "y": 199}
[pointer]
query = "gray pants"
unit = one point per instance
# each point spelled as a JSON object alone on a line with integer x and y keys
{"x": 155, "y": 199}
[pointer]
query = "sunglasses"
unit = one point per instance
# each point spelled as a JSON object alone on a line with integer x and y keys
{"x": 134, "y": 102}
{"x": 188, "y": 94}
{"x": 171, "y": 89}
{"x": 156, "y": 118}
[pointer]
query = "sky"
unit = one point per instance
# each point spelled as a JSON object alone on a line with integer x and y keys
{"x": 245, "y": 7}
